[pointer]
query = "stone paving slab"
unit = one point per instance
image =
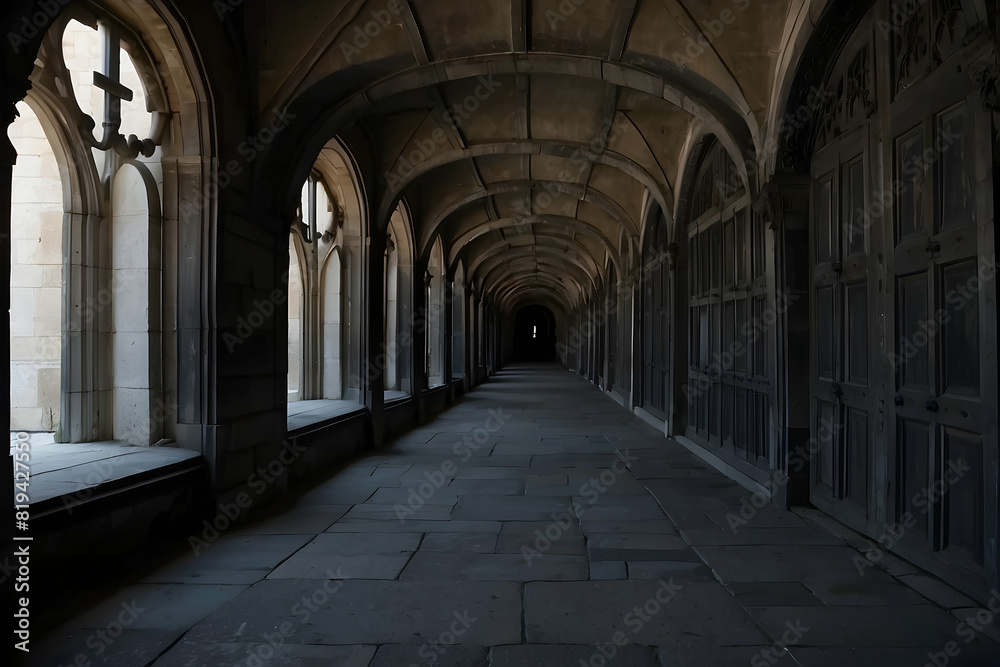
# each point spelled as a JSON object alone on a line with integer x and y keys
{"x": 773, "y": 594}
{"x": 904, "y": 626}
{"x": 350, "y": 556}
{"x": 608, "y": 570}
{"x": 571, "y": 656}
{"x": 833, "y": 590}
{"x": 207, "y": 654}
{"x": 491, "y": 472}
{"x": 85, "y": 647}
{"x": 511, "y": 508}
{"x": 430, "y": 566}
{"x": 779, "y": 563}
{"x": 414, "y": 526}
{"x": 677, "y": 569}
{"x": 733, "y": 656}
{"x": 760, "y": 536}
{"x": 646, "y": 541}
{"x": 298, "y": 520}
{"x": 593, "y": 526}
{"x": 875, "y": 656}
{"x": 554, "y": 538}
{"x": 436, "y": 654}
{"x": 232, "y": 559}
{"x": 160, "y": 607}
{"x": 392, "y": 512}
{"x": 482, "y": 543}
{"x": 700, "y": 614}
{"x": 369, "y": 612}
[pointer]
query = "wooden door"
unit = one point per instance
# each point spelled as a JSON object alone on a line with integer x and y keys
{"x": 844, "y": 358}
{"x": 942, "y": 356}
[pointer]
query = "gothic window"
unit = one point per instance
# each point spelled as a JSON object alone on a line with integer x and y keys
{"x": 87, "y": 267}
{"x": 398, "y": 306}
{"x": 435, "y": 283}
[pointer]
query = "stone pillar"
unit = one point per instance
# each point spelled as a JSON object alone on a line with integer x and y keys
{"x": 420, "y": 358}
{"x": 448, "y": 330}
{"x": 373, "y": 354}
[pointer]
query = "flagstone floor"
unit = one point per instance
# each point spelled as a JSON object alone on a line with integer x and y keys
{"x": 534, "y": 523}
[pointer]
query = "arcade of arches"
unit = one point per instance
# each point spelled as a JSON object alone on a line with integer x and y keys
{"x": 764, "y": 227}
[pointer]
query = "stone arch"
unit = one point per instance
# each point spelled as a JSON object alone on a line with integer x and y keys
{"x": 399, "y": 316}
{"x": 434, "y": 279}
{"x": 161, "y": 67}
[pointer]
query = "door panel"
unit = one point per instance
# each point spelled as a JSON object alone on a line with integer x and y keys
{"x": 842, "y": 315}
{"x": 934, "y": 346}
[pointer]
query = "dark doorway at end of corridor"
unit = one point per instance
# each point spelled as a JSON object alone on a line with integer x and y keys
{"x": 534, "y": 334}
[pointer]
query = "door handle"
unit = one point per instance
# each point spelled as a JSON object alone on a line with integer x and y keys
{"x": 932, "y": 405}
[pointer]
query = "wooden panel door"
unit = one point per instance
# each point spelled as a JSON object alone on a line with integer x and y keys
{"x": 943, "y": 352}
{"x": 843, "y": 350}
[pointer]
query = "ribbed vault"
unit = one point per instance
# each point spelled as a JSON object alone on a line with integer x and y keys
{"x": 529, "y": 135}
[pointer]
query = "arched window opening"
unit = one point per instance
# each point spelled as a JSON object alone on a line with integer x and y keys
{"x": 296, "y": 317}
{"x": 36, "y": 279}
{"x": 435, "y": 283}
{"x": 333, "y": 341}
{"x": 316, "y": 331}
{"x": 458, "y": 309}
{"x": 399, "y": 324}
{"x": 88, "y": 337}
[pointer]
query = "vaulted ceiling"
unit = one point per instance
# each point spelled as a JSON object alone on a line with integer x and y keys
{"x": 532, "y": 135}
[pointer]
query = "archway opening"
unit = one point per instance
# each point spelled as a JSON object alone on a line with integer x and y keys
{"x": 534, "y": 335}
{"x": 36, "y": 279}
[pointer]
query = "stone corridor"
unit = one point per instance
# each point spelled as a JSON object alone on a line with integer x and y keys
{"x": 534, "y": 523}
